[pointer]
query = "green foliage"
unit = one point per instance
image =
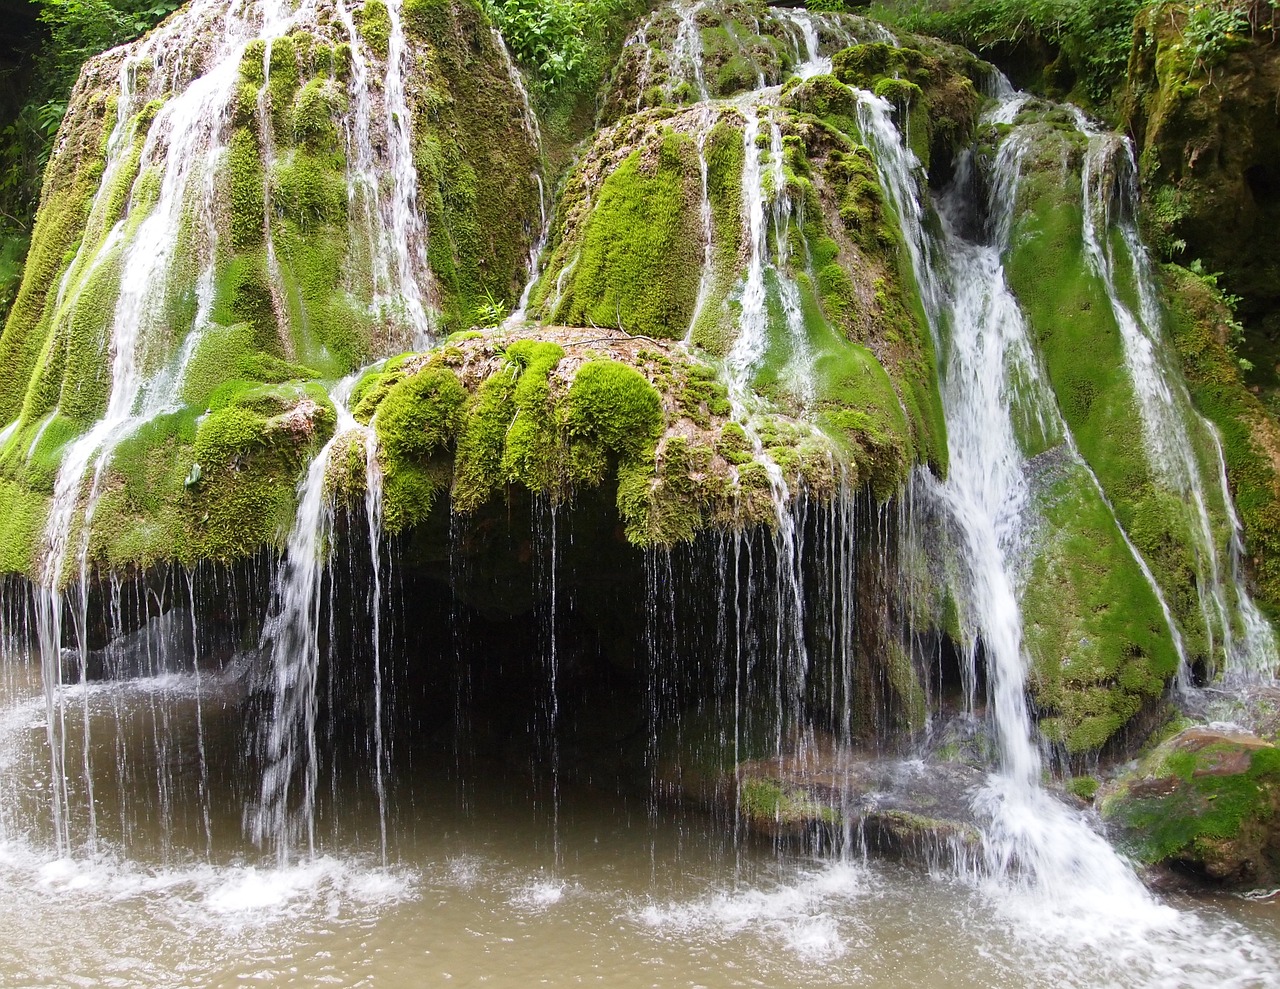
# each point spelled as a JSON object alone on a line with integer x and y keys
{"x": 545, "y": 35}
{"x": 565, "y": 45}
{"x": 1092, "y": 36}
{"x": 1214, "y": 29}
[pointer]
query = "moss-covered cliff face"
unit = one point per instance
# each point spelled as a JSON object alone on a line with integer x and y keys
{"x": 234, "y": 210}
{"x": 1208, "y": 138}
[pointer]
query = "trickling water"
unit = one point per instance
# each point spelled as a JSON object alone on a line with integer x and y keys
{"x": 686, "y": 53}
{"x": 517, "y": 316}
{"x": 708, "y": 234}
{"x": 292, "y": 637}
{"x": 1109, "y": 179}
{"x": 407, "y": 230}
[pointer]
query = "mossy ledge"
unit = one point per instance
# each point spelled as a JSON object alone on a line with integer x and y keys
{"x": 567, "y": 409}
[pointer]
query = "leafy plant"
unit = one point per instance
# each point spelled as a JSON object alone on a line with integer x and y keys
{"x": 1234, "y": 328}
{"x": 1215, "y": 29}
{"x": 565, "y": 46}
{"x": 1092, "y": 36}
{"x": 491, "y": 312}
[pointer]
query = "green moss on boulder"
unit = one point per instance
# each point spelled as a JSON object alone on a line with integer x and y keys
{"x": 1206, "y": 801}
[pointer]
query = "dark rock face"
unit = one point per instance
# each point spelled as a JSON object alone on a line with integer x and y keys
{"x": 1210, "y": 155}
{"x": 1204, "y": 804}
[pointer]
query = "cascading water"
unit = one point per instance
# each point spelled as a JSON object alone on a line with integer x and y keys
{"x": 185, "y": 145}
{"x": 787, "y": 609}
{"x": 291, "y": 636}
{"x": 1110, "y": 192}
{"x": 1034, "y": 847}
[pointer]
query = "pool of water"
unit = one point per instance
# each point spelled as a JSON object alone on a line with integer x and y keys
{"x": 492, "y": 880}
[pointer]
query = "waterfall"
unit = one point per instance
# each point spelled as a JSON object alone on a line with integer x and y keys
{"x": 781, "y": 640}
{"x": 686, "y": 53}
{"x": 185, "y": 145}
{"x": 708, "y": 233}
{"x": 517, "y": 316}
{"x": 292, "y": 639}
{"x": 1110, "y": 195}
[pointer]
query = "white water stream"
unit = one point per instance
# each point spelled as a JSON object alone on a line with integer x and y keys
{"x": 1233, "y": 624}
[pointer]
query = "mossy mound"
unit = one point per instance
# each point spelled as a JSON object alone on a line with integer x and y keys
{"x": 932, "y": 91}
{"x": 562, "y": 410}
{"x": 210, "y": 229}
{"x": 631, "y": 250}
{"x": 1100, "y": 646}
{"x": 740, "y": 43}
{"x": 1206, "y": 802}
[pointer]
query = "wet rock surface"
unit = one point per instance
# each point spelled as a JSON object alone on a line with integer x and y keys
{"x": 894, "y": 807}
{"x": 1202, "y": 806}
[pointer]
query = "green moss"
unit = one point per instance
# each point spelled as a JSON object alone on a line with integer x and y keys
{"x": 310, "y": 189}
{"x": 227, "y": 353}
{"x": 75, "y": 169}
{"x": 766, "y": 800}
{"x": 374, "y": 23}
{"x": 1198, "y": 808}
{"x": 245, "y": 177}
{"x": 421, "y": 414}
{"x": 1200, "y": 324}
{"x": 612, "y": 410}
{"x": 532, "y": 442}
{"x": 480, "y": 446}
{"x": 1069, "y": 312}
{"x": 253, "y": 62}
{"x": 1101, "y": 649}
{"x": 1084, "y": 787}
{"x": 476, "y": 162}
{"x": 639, "y": 264}
{"x": 23, "y": 514}
{"x": 317, "y": 107}
{"x": 716, "y": 324}
{"x": 282, "y": 83}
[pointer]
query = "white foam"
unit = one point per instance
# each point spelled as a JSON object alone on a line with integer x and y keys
{"x": 805, "y": 913}
{"x": 203, "y": 895}
{"x": 540, "y": 894}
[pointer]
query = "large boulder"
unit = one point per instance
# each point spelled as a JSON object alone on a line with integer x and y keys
{"x": 1203, "y": 804}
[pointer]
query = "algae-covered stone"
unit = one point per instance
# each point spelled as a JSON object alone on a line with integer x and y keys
{"x": 1205, "y": 801}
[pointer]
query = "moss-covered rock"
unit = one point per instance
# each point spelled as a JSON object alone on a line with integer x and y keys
{"x": 1209, "y": 149}
{"x": 558, "y": 411}
{"x": 932, "y": 92}
{"x": 271, "y": 261}
{"x": 1205, "y": 801}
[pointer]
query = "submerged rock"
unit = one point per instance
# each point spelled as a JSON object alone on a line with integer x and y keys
{"x": 1204, "y": 803}
{"x": 908, "y": 807}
